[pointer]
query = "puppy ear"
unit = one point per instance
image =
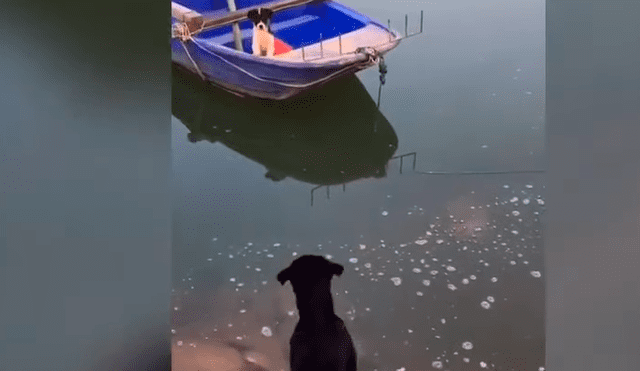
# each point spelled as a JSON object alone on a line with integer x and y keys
{"x": 253, "y": 15}
{"x": 336, "y": 269}
{"x": 283, "y": 276}
{"x": 267, "y": 12}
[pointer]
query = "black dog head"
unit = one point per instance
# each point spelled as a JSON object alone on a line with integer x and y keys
{"x": 260, "y": 17}
{"x": 309, "y": 268}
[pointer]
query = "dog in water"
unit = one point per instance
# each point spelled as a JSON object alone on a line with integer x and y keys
{"x": 263, "y": 39}
{"x": 320, "y": 341}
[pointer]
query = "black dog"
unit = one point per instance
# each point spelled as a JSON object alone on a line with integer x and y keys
{"x": 320, "y": 341}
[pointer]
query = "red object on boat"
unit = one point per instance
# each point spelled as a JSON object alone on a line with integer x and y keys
{"x": 280, "y": 47}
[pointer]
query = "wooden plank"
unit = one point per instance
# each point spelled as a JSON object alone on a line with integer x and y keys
{"x": 239, "y": 15}
{"x": 191, "y": 18}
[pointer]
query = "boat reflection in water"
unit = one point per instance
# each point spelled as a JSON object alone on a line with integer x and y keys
{"x": 333, "y": 135}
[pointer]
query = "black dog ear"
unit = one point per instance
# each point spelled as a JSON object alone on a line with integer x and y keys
{"x": 253, "y": 15}
{"x": 267, "y": 13}
{"x": 336, "y": 269}
{"x": 283, "y": 276}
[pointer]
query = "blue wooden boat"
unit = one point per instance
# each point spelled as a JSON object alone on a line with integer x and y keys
{"x": 327, "y": 40}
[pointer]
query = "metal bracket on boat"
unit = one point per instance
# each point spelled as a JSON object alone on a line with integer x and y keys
{"x": 406, "y": 27}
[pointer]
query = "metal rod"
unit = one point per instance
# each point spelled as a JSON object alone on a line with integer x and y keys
{"x": 414, "y": 161}
{"x": 340, "y": 42}
{"x": 237, "y": 36}
{"x": 401, "y": 158}
{"x": 313, "y": 189}
{"x": 406, "y": 25}
{"x": 303, "y": 53}
{"x": 389, "y": 27}
{"x": 321, "y": 50}
{"x": 421, "y": 19}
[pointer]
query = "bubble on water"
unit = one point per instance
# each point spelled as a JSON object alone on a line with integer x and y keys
{"x": 443, "y": 321}
{"x": 426, "y": 282}
{"x": 505, "y": 186}
{"x": 514, "y": 231}
{"x": 385, "y": 213}
{"x": 434, "y": 272}
{"x": 513, "y": 262}
{"x": 526, "y": 201}
{"x": 494, "y": 279}
{"x": 179, "y": 343}
{"x": 417, "y": 270}
{"x": 540, "y": 201}
{"x": 536, "y": 274}
{"x": 452, "y": 287}
{"x": 484, "y": 145}
{"x": 483, "y": 365}
{"x": 485, "y": 305}
{"x": 396, "y": 281}
{"x": 465, "y": 281}
{"x": 515, "y": 213}
{"x": 232, "y": 279}
{"x": 514, "y": 199}
{"x": 540, "y": 368}
{"x": 353, "y": 260}
{"x": 436, "y": 364}
{"x": 439, "y": 242}
{"x": 467, "y": 345}
{"x": 466, "y": 360}
{"x": 266, "y": 331}
{"x": 276, "y": 244}
{"x": 419, "y": 293}
{"x": 529, "y": 186}
{"x": 269, "y": 255}
{"x": 451, "y": 268}
{"x": 421, "y": 242}
{"x": 472, "y": 277}
{"x": 490, "y": 299}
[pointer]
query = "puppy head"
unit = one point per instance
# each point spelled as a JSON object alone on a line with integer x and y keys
{"x": 260, "y": 17}
{"x": 309, "y": 268}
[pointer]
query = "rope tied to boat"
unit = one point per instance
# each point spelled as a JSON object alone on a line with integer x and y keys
{"x": 181, "y": 31}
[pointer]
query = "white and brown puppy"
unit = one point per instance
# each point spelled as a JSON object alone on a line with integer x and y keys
{"x": 320, "y": 341}
{"x": 263, "y": 40}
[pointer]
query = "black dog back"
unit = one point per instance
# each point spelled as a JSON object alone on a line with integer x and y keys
{"x": 320, "y": 341}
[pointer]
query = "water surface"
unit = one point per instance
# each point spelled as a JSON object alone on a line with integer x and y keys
{"x": 442, "y": 271}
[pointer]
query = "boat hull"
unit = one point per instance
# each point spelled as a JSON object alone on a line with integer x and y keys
{"x": 276, "y": 78}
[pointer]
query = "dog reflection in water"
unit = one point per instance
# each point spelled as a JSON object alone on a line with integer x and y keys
{"x": 320, "y": 341}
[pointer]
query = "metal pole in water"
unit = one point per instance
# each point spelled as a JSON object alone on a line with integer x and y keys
{"x": 421, "y": 19}
{"x": 321, "y": 50}
{"x": 389, "y": 27}
{"x": 237, "y": 36}
{"x": 340, "y": 41}
{"x": 406, "y": 25}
